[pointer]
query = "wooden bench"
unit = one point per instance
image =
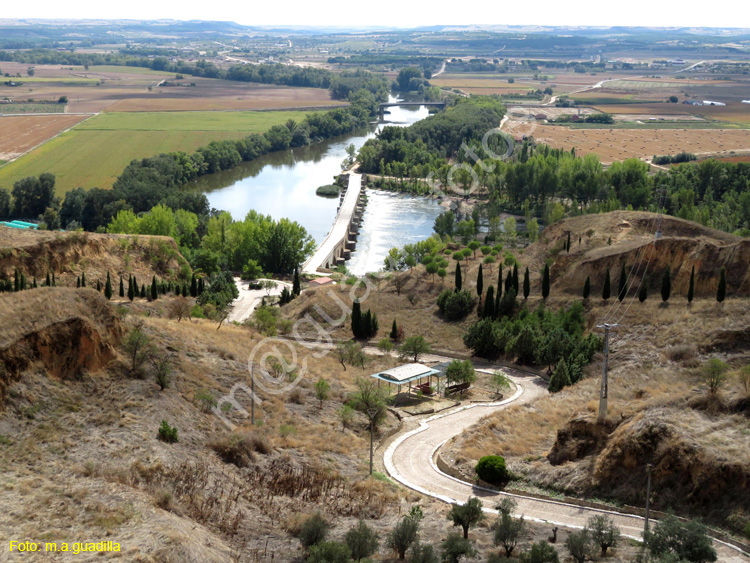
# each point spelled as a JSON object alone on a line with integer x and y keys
{"x": 457, "y": 388}
{"x": 424, "y": 388}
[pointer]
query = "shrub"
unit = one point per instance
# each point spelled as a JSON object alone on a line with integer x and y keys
{"x": 206, "y": 400}
{"x": 362, "y": 541}
{"x": 540, "y": 552}
{"x": 455, "y": 548}
{"x": 168, "y": 433}
{"x": 491, "y": 469}
{"x": 239, "y": 449}
{"x": 330, "y": 190}
{"x": 329, "y": 552}
{"x": 403, "y": 535}
{"x": 313, "y": 530}
{"x": 603, "y": 532}
{"x": 686, "y": 540}
{"x": 455, "y": 305}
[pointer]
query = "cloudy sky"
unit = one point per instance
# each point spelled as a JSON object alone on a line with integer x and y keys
{"x": 398, "y": 13}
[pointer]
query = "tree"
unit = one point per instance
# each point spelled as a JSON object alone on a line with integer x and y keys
{"x": 545, "y": 282}
{"x": 580, "y": 545}
{"x": 666, "y": 285}
{"x": 715, "y": 374}
{"x": 48, "y": 282}
{"x": 643, "y": 289}
{"x": 499, "y": 380}
{"x": 455, "y": 305}
{"x": 32, "y": 195}
{"x": 5, "y": 204}
{"x": 474, "y": 246}
{"x": 313, "y": 530}
{"x": 143, "y": 291}
{"x": 455, "y": 548}
{"x": 329, "y": 552}
{"x": 516, "y": 286}
{"x": 131, "y": 289}
{"x": 432, "y": 268}
{"x": 83, "y": 279}
{"x": 107, "y": 287}
{"x": 491, "y": 469}
{"x": 122, "y": 288}
{"x": 561, "y": 377}
{"x": 414, "y": 346}
{"x": 394, "y": 335}
{"x": 351, "y": 353}
{"x": 540, "y": 552}
{"x": 458, "y": 276}
{"x": 362, "y": 541}
{"x": 687, "y": 541}
{"x": 673, "y": 99}
{"x": 587, "y": 287}
{"x": 721, "y": 290}
{"x": 193, "y": 286}
{"x": 603, "y": 532}
{"x": 605, "y": 287}
{"x": 466, "y": 515}
{"x": 403, "y": 535}
{"x": 154, "y": 289}
{"x": 322, "y": 388}
{"x": 250, "y": 271}
{"x": 527, "y": 283}
{"x": 489, "y": 304}
{"x": 508, "y": 531}
{"x": 691, "y": 287}
{"x": 480, "y": 281}
{"x": 369, "y": 397}
{"x": 163, "y": 365}
{"x": 622, "y": 286}
{"x": 137, "y": 346}
{"x": 179, "y": 308}
{"x": 460, "y": 371}
{"x": 422, "y": 553}
{"x": 357, "y": 329}
{"x": 296, "y": 287}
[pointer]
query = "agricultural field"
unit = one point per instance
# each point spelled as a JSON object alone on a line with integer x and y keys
{"x": 94, "y": 154}
{"x": 619, "y": 144}
{"x": 21, "y": 133}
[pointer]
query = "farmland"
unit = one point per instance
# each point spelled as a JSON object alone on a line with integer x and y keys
{"x": 21, "y": 133}
{"x": 94, "y": 154}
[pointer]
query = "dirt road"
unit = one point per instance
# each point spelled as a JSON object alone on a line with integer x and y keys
{"x": 410, "y": 460}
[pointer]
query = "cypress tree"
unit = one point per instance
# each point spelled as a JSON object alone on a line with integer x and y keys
{"x": 23, "y": 281}
{"x": 568, "y": 243}
{"x": 16, "y": 280}
{"x": 587, "y": 287}
{"x": 78, "y": 281}
{"x": 83, "y": 279}
{"x": 480, "y": 282}
{"x": 515, "y": 278}
{"x": 691, "y": 288}
{"x": 643, "y": 290}
{"x": 154, "y": 289}
{"x": 356, "y": 319}
{"x": 135, "y": 285}
{"x": 47, "y": 282}
{"x": 499, "y": 292}
{"x": 666, "y": 285}
{"x": 509, "y": 281}
{"x": 545, "y": 282}
{"x": 108, "y": 288}
{"x": 394, "y": 331}
{"x": 366, "y": 325}
{"x": 201, "y": 286}
{"x": 605, "y": 287}
{"x": 122, "y": 288}
{"x": 526, "y": 284}
{"x": 193, "y": 286}
{"x": 34, "y": 283}
{"x": 374, "y": 325}
{"x": 131, "y": 291}
{"x": 489, "y": 304}
{"x": 721, "y": 290}
{"x": 458, "y": 276}
{"x": 561, "y": 377}
{"x": 621, "y": 288}
{"x": 185, "y": 291}
{"x": 143, "y": 291}
{"x": 54, "y": 282}
{"x": 296, "y": 287}
{"x": 98, "y": 286}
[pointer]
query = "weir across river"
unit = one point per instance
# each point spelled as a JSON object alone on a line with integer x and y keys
{"x": 341, "y": 240}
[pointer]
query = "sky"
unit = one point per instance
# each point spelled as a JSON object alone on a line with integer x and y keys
{"x": 400, "y": 13}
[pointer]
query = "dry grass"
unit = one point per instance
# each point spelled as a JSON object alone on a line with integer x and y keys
{"x": 21, "y": 133}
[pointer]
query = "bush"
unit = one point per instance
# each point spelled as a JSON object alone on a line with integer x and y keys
{"x": 329, "y": 552}
{"x": 239, "y": 449}
{"x": 313, "y": 530}
{"x": 491, "y": 469}
{"x": 540, "y": 552}
{"x": 455, "y": 305}
{"x": 686, "y": 540}
{"x": 168, "y": 433}
{"x": 330, "y": 190}
{"x": 362, "y": 541}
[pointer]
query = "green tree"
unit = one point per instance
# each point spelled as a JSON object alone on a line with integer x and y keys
{"x": 163, "y": 365}
{"x": 456, "y": 548}
{"x": 480, "y": 282}
{"x": 154, "y": 289}
{"x": 32, "y": 195}
{"x": 603, "y": 532}
{"x": 492, "y": 469}
{"x": 362, "y": 541}
{"x": 687, "y": 541}
{"x": 489, "y": 304}
{"x": 403, "y": 535}
{"x": 715, "y": 374}
{"x": 394, "y": 335}
{"x": 587, "y": 287}
{"x": 329, "y": 552}
{"x": 5, "y": 204}
{"x": 460, "y": 371}
{"x": 107, "y": 287}
{"x": 580, "y": 545}
{"x": 122, "y": 288}
{"x": 83, "y": 279}
{"x": 527, "y": 283}
{"x": 357, "y": 328}
{"x": 296, "y": 287}
{"x": 369, "y": 397}
{"x": 691, "y": 287}
{"x": 540, "y": 552}
{"x": 468, "y": 514}
{"x": 622, "y": 286}
{"x": 458, "y": 276}
{"x": 423, "y": 553}
{"x": 643, "y": 289}
{"x": 313, "y": 530}
{"x": 560, "y": 378}
{"x": 474, "y": 246}
{"x": 606, "y": 287}
{"x": 721, "y": 290}
{"x": 322, "y": 388}
{"x": 414, "y": 347}
{"x": 666, "y": 285}
{"x": 508, "y": 531}
{"x": 137, "y": 346}
{"x": 131, "y": 289}
{"x": 545, "y": 282}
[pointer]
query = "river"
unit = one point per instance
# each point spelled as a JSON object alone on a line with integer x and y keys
{"x": 283, "y": 184}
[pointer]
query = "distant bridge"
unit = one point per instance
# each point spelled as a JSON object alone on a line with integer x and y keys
{"x": 411, "y": 104}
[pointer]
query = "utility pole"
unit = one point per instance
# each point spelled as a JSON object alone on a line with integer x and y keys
{"x": 252, "y": 393}
{"x": 603, "y": 394}
{"x": 648, "y": 498}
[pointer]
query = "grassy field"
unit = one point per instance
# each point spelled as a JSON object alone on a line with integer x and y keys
{"x": 94, "y": 155}
{"x": 59, "y": 80}
{"x": 124, "y": 70}
{"x": 31, "y": 108}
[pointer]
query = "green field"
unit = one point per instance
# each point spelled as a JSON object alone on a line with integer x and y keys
{"x": 127, "y": 70}
{"x": 94, "y": 153}
{"x": 55, "y": 80}
{"x": 32, "y": 108}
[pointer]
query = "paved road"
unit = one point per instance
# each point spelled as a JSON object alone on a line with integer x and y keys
{"x": 409, "y": 460}
{"x": 249, "y": 299}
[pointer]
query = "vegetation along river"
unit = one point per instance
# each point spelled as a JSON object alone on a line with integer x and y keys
{"x": 283, "y": 184}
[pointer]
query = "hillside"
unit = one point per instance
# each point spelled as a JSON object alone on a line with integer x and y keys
{"x": 69, "y": 254}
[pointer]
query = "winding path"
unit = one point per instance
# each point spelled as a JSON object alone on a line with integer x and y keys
{"x": 410, "y": 460}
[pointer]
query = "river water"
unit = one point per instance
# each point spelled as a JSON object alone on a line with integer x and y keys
{"x": 283, "y": 184}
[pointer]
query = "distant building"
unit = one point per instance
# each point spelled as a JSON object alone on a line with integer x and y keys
{"x": 710, "y": 103}
{"x": 317, "y": 282}
{"x": 746, "y": 101}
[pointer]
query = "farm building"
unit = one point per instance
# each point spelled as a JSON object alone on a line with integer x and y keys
{"x": 710, "y": 103}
